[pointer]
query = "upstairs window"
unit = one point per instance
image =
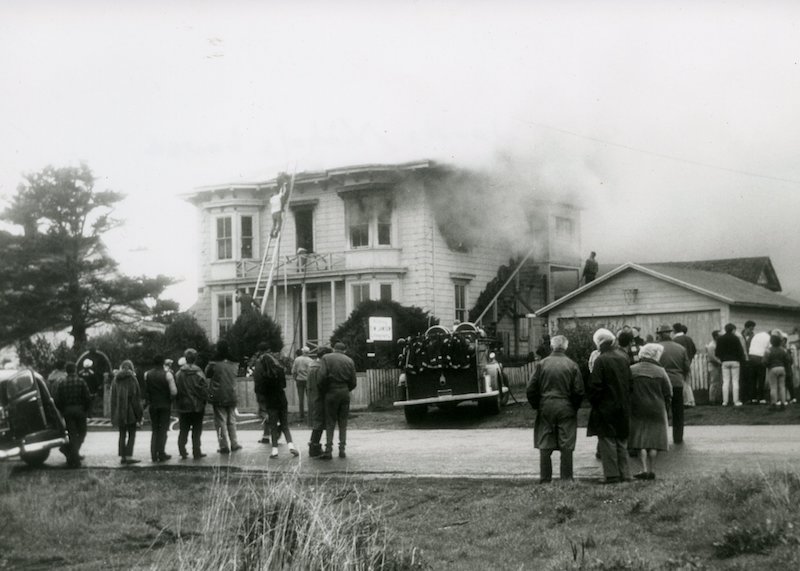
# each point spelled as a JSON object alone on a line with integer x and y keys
{"x": 369, "y": 221}
{"x": 360, "y": 294}
{"x": 224, "y": 238}
{"x": 247, "y": 237}
{"x": 564, "y": 228}
{"x": 386, "y": 292}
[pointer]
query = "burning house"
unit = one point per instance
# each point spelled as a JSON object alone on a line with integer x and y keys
{"x": 444, "y": 239}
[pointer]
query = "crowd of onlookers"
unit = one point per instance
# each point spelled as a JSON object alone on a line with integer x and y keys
{"x": 324, "y": 379}
{"x": 635, "y": 385}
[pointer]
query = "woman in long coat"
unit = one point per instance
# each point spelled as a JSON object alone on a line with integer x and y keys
{"x": 126, "y": 409}
{"x": 651, "y": 394}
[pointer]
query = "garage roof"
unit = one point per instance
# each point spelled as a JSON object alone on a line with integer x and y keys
{"x": 720, "y": 286}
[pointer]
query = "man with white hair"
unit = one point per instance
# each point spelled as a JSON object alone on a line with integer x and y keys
{"x": 608, "y": 392}
{"x": 300, "y": 373}
{"x": 555, "y": 391}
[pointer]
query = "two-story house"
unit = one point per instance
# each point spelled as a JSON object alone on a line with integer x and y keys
{"x": 410, "y": 232}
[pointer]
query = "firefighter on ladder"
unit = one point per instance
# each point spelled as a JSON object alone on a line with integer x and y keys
{"x": 277, "y": 202}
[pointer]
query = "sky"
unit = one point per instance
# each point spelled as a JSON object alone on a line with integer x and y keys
{"x": 674, "y": 125}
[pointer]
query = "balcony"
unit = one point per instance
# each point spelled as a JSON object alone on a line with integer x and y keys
{"x": 295, "y": 265}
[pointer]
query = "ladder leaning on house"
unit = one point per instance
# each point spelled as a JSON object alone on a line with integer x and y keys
{"x": 269, "y": 260}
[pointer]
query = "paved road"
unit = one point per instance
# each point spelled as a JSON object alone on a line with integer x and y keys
{"x": 469, "y": 453}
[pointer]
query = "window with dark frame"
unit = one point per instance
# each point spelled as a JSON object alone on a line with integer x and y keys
{"x": 247, "y": 237}
{"x": 358, "y": 221}
{"x": 369, "y": 221}
{"x": 360, "y": 294}
{"x": 461, "y": 302}
{"x": 386, "y": 292}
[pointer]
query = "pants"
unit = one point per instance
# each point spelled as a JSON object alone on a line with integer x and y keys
{"x": 757, "y": 378}
{"x": 546, "y": 465}
{"x": 225, "y": 422}
{"x": 715, "y": 384}
{"x": 127, "y": 437}
{"x": 279, "y": 416}
{"x": 337, "y": 408}
{"x": 730, "y": 376}
{"x": 76, "y": 428}
{"x": 190, "y": 421}
{"x": 677, "y": 415}
{"x": 614, "y": 457}
{"x": 301, "y": 397}
{"x": 159, "y": 421}
{"x": 777, "y": 385}
{"x": 263, "y": 414}
{"x": 316, "y": 436}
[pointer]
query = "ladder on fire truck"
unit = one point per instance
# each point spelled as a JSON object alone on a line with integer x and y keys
{"x": 271, "y": 257}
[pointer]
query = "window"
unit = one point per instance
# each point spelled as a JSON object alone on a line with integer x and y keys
{"x": 386, "y": 292}
{"x": 247, "y": 237}
{"x": 385, "y": 224}
{"x": 224, "y": 313}
{"x": 224, "y": 238}
{"x": 369, "y": 221}
{"x": 461, "y": 302}
{"x": 564, "y": 228}
{"x": 359, "y": 226}
{"x": 360, "y": 293}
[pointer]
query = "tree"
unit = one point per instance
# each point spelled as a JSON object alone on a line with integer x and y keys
{"x": 41, "y": 355}
{"x": 186, "y": 333}
{"x": 250, "y": 329}
{"x": 57, "y": 272}
{"x": 406, "y": 321}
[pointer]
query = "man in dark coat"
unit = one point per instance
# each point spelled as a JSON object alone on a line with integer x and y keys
{"x": 590, "y": 268}
{"x": 608, "y": 392}
{"x": 190, "y": 404}
{"x": 316, "y": 405}
{"x": 73, "y": 400}
{"x": 159, "y": 390}
{"x": 675, "y": 360}
{"x": 680, "y": 336}
{"x": 337, "y": 374}
{"x": 555, "y": 391}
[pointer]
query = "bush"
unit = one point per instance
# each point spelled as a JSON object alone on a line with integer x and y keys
{"x": 250, "y": 329}
{"x": 406, "y": 321}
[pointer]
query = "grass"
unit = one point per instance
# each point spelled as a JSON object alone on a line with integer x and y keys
{"x": 173, "y": 519}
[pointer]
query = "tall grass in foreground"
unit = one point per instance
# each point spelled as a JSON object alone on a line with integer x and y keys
{"x": 280, "y": 522}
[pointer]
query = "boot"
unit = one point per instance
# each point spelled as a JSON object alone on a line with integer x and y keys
{"x": 327, "y": 454}
{"x": 341, "y": 451}
{"x": 545, "y": 466}
{"x": 566, "y": 465}
{"x": 314, "y": 449}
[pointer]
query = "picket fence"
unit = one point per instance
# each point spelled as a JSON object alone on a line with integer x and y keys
{"x": 380, "y": 385}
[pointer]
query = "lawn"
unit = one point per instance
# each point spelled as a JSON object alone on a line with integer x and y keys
{"x": 174, "y": 519}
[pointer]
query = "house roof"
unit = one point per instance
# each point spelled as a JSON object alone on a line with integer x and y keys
{"x": 756, "y": 270}
{"x": 716, "y": 285}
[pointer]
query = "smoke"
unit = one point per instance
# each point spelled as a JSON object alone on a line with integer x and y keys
{"x": 506, "y": 200}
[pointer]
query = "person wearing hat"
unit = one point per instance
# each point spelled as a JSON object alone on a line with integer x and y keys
{"x": 608, "y": 392}
{"x": 675, "y": 360}
{"x": 300, "y": 374}
{"x": 337, "y": 375}
{"x": 555, "y": 391}
{"x": 680, "y": 334}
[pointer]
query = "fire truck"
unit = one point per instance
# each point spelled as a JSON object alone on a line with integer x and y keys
{"x": 445, "y": 368}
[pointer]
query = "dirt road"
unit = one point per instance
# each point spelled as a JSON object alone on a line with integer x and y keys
{"x": 468, "y": 453}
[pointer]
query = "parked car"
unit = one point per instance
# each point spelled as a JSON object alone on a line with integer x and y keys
{"x": 30, "y": 424}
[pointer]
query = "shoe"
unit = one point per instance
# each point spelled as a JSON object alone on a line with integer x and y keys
{"x": 314, "y": 450}
{"x": 762, "y": 401}
{"x": 294, "y": 452}
{"x": 651, "y": 476}
{"x": 613, "y": 480}
{"x": 198, "y": 455}
{"x": 224, "y": 451}
{"x": 184, "y": 455}
{"x": 325, "y": 456}
{"x": 793, "y": 401}
{"x": 123, "y": 460}
{"x": 164, "y": 457}
{"x": 132, "y": 461}
{"x": 738, "y": 403}
{"x": 264, "y": 440}
{"x": 342, "y": 454}
{"x": 274, "y": 454}
{"x": 724, "y": 404}
{"x": 236, "y": 447}
{"x": 642, "y": 476}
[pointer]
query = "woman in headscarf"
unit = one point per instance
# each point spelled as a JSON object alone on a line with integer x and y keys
{"x": 126, "y": 409}
{"x": 651, "y": 393}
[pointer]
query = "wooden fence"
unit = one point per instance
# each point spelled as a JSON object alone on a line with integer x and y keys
{"x": 381, "y": 385}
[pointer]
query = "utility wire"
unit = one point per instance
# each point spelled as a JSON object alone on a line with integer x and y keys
{"x": 662, "y": 155}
